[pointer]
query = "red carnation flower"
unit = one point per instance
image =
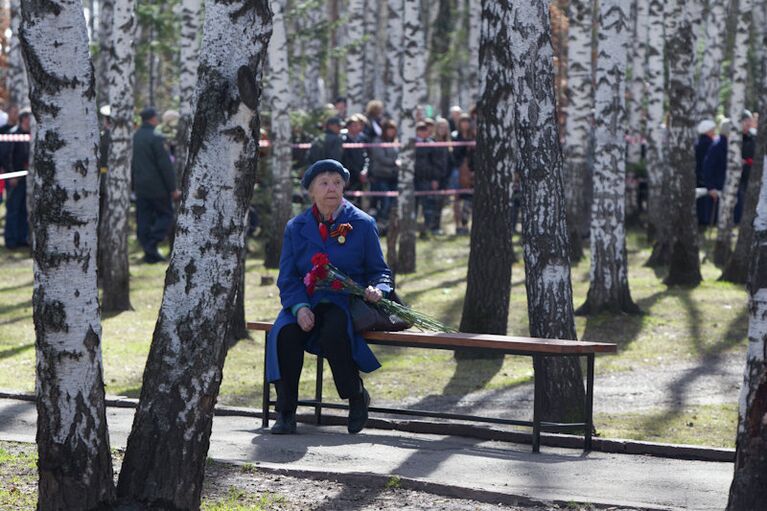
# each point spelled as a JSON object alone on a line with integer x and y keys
{"x": 336, "y": 285}
{"x": 320, "y": 259}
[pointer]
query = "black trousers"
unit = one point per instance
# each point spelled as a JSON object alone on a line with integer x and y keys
{"x": 154, "y": 220}
{"x": 330, "y": 323}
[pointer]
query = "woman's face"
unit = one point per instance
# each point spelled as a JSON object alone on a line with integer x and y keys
{"x": 327, "y": 191}
{"x": 390, "y": 133}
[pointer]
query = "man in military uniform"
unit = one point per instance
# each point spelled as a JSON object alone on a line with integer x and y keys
{"x": 154, "y": 183}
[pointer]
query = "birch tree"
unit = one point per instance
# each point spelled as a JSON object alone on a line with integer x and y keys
{"x": 547, "y": 265}
{"x": 167, "y": 448}
{"x": 355, "y": 61}
{"x": 113, "y": 235}
{"x": 75, "y": 463}
{"x": 105, "y": 20}
{"x": 707, "y": 97}
{"x": 684, "y": 261}
{"x": 609, "y": 287}
{"x": 413, "y": 60}
{"x": 748, "y": 490}
{"x": 16, "y": 81}
{"x": 578, "y": 132}
{"x": 488, "y": 282}
{"x": 657, "y": 153}
{"x": 281, "y": 153}
{"x": 737, "y": 266}
{"x": 637, "y": 88}
{"x": 189, "y": 17}
{"x": 313, "y": 90}
{"x": 729, "y": 196}
{"x": 474, "y": 13}
{"x": 393, "y": 60}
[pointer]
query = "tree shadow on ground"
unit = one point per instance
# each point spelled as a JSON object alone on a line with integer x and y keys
{"x": 621, "y": 329}
{"x": 17, "y": 286}
{"x": 5, "y": 309}
{"x": 12, "y": 352}
{"x": 711, "y": 359}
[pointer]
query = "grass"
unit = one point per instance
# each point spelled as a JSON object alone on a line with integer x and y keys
{"x": 18, "y": 474}
{"x": 241, "y": 500}
{"x": 689, "y": 325}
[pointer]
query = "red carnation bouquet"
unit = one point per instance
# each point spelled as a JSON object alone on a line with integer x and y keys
{"x": 325, "y": 276}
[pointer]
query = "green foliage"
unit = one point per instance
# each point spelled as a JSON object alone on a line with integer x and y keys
{"x": 241, "y": 500}
{"x": 158, "y": 42}
{"x": 393, "y": 483}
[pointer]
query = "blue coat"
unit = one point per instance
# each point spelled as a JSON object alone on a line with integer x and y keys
{"x": 360, "y": 257}
{"x": 715, "y": 164}
{"x": 701, "y": 149}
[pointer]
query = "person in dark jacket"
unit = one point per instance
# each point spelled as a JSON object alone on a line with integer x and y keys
{"x": 706, "y": 134}
{"x": 429, "y": 171}
{"x": 747, "y": 152}
{"x": 715, "y": 169}
{"x": 355, "y": 160}
{"x": 7, "y": 147}
{"x": 154, "y": 182}
{"x": 383, "y": 172}
{"x": 16, "y": 231}
{"x": 328, "y": 146}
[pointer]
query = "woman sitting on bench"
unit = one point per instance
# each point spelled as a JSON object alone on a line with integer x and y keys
{"x": 320, "y": 322}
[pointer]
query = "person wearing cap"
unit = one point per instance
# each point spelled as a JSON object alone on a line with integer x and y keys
{"x": 320, "y": 322}
{"x": 329, "y": 146}
{"x": 747, "y": 152}
{"x": 706, "y": 133}
{"x": 154, "y": 182}
{"x": 715, "y": 169}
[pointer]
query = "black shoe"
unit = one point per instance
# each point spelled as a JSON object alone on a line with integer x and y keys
{"x": 358, "y": 412}
{"x": 285, "y": 425}
{"x": 153, "y": 257}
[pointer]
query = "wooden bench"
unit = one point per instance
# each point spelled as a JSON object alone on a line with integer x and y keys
{"x": 507, "y": 345}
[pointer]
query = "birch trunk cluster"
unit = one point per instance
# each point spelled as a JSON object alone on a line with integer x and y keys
{"x": 393, "y": 60}
{"x": 488, "y": 282}
{"x": 707, "y": 100}
{"x": 17, "y": 84}
{"x": 684, "y": 261}
{"x": 167, "y": 448}
{"x": 729, "y": 196}
{"x": 748, "y": 490}
{"x": 189, "y": 12}
{"x": 75, "y": 464}
{"x": 413, "y": 61}
{"x": 578, "y": 127}
{"x": 314, "y": 94}
{"x": 546, "y": 251}
{"x": 609, "y": 287}
{"x": 281, "y": 153}
{"x": 113, "y": 235}
{"x": 637, "y": 89}
{"x": 355, "y": 61}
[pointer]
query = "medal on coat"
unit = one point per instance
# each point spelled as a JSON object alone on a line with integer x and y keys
{"x": 340, "y": 232}
{"x": 342, "y": 239}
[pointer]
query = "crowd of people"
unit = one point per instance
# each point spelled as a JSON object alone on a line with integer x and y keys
{"x": 377, "y": 167}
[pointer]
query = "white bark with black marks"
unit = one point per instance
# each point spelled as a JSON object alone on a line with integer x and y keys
{"x": 474, "y": 12}
{"x": 638, "y": 65}
{"x": 165, "y": 458}
{"x": 707, "y": 100}
{"x": 314, "y": 95}
{"x": 393, "y": 61}
{"x": 729, "y": 196}
{"x": 281, "y": 153}
{"x": 684, "y": 260}
{"x": 105, "y": 27}
{"x": 609, "y": 287}
{"x": 578, "y": 127}
{"x": 114, "y": 266}
{"x": 413, "y": 63}
{"x": 189, "y": 45}
{"x": 16, "y": 73}
{"x": 75, "y": 464}
{"x": 355, "y": 56}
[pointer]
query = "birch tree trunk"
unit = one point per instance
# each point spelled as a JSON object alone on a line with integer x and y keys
{"x": 313, "y": 93}
{"x": 544, "y": 228}
{"x": 748, "y": 490}
{"x": 638, "y": 61}
{"x": 355, "y": 53}
{"x": 609, "y": 287}
{"x": 281, "y": 153}
{"x": 488, "y": 282}
{"x": 412, "y": 84}
{"x": 106, "y": 17}
{"x": 578, "y": 130}
{"x": 113, "y": 235}
{"x": 370, "y": 52}
{"x": 684, "y": 260}
{"x": 474, "y": 12}
{"x": 707, "y": 100}
{"x": 657, "y": 153}
{"x": 737, "y": 266}
{"x": 75, "y": 463}
{"x": 189, "y": 45}
{"x": 167, "y": 448}
{"x": 393, "y": 62}
{"x": 16, "y": 82}
{"x": 729, "y": 196}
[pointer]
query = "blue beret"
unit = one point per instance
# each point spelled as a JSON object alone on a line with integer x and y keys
{"x": 322, "y": 166}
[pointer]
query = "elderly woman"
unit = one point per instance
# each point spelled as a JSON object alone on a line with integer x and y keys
{"x": 320, "y": 322}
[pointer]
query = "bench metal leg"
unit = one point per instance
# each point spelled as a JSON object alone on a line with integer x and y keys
{"x": 537, "y": 401}
{"x": 589, "y": 401}
{"x": 318, "y": 391}
{"x": 266, "y": 391}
